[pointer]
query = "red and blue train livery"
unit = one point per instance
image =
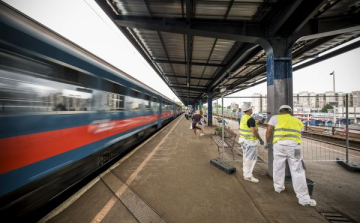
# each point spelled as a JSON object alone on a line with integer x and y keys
{"x": 63, "y": 113}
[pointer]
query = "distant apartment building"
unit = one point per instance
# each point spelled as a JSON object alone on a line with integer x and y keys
{"x": 259, "y": 102}
{"x": 309, "y": 101}
{"x": 355, "y": 98}
{"x": 234, "y": 106}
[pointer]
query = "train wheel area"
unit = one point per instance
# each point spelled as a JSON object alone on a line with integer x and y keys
{"x": 169, "y": 178}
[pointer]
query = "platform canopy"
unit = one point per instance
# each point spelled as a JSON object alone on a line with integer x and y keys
{"x": 202, "y": 46}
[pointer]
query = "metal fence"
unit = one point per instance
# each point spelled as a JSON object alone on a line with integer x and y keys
{"x": 331, "y": 132}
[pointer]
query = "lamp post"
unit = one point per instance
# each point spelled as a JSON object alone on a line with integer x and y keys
{"x": 334, "y": 108}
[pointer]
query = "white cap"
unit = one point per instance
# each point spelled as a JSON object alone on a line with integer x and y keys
{"x": 246, "y": 107}
{"x": 285, "y": 106}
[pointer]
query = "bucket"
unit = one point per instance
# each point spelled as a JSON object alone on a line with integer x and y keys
{"x": 310, "y": 185}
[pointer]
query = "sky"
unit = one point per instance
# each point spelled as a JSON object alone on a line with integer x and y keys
{"x": 83, "y": 22}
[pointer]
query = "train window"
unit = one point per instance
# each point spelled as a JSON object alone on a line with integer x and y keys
{"x": 155, "y": 106}
{"x": 76, "y": 77}
{"x": 134, "y": 93}
{"x": 115, "y": 102}
{"x": 134, "y": 104}
{"x": 112, "y": 87}
{"x": 87, "y": 80}
{"x": 147, "y": 101}
{"x": 13, "y": 62}
{"x": 18, "y": 96}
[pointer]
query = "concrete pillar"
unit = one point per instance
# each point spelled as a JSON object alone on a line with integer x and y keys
{"x": 209, "y": 108}
{"x": 200, "y": 104}
{"x": 279, "y": 84}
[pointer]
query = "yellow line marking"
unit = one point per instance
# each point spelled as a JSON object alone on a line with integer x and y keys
{"x": 105, "y": 210}
{"x": 78, "y": 194}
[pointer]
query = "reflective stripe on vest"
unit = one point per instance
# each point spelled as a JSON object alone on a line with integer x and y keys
{"x": 245, "y": 130}
{"x": 288, "y": 128}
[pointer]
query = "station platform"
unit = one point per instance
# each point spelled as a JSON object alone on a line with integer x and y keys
{"x": 169, "y": 178}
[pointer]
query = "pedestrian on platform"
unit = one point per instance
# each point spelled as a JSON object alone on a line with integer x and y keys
{"x": 287, "y": 146}
{"x": 195, "y": 120}
{"x": 203, "y": 123}
{"x": 187, "y": 114}
{"x": 249, "y": 139}
{"x": 239, "y": 115}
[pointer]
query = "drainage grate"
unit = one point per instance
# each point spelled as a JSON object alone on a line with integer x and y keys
{"x": 335, "y": 218}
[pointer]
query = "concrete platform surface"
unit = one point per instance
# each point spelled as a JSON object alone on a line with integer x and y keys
{"x": 170, "y": 179}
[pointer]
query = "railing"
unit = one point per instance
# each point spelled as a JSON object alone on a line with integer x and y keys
{"x": 323, "y": 140}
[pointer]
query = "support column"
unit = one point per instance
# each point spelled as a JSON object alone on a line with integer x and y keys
{"x": 200, "y": 104}
{"x": 209, "y": 108}
{"x": 279, "y": 85}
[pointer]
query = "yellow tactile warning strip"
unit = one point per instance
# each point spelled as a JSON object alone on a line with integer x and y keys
{"x": 141, "y": 211}
{"x": 121, "y": 190}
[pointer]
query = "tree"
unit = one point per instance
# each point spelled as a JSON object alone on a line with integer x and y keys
{"x": 326, "y": 107}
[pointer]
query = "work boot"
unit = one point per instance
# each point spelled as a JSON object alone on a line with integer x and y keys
{"x": 251, "y": 179}
{"x": 311, "y": 203}
{"x": 279, "y": 190}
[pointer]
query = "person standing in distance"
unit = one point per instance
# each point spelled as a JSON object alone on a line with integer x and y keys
{"x": 239, "y": 115}
{"x": 249, "y": 139}
{"x": 287, "y": 146}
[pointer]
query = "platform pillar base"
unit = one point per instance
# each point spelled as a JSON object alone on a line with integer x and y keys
{"x": 350, "y": 166}
{"x": 223, "y": 166}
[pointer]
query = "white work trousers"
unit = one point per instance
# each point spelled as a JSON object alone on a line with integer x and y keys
{"x": 293, "y": 155}
{"x": 249, "y": 158}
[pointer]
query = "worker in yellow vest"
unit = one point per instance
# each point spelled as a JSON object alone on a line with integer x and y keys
{"x": 287, "y": 146}
{"x": 249, "y": 139}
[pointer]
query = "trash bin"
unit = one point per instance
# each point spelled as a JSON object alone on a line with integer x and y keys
{"x": 310, "y": 185}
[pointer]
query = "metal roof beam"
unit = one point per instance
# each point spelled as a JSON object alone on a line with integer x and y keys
{"x": 329, "y": 55}
{"x": 228, "y": 9}
{"x": 284, "y": 12}
{"x": 239, "y": 59}
{"x": 173, "y": 26}
{"x": 242, "y": 33}
{"x": 303, "y": 13}
{"x": 189, "y": 88}
{"x": 190, "y": 96}
{"x": 248, "y": 77}
{"x": 185, "y": 63}
{"x": 195, "y": 78}
{"x": 184, "y": 85}
{"x": 312, "y": 45}
{"x": 255, "y": 63}
{"x": 317, "y": 28}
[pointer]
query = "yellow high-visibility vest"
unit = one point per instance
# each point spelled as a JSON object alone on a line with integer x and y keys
{"x": 245, "y": 131}
{"x": 288, "y": 128}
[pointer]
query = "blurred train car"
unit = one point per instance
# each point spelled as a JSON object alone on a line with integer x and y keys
{"x": 63, "y": 113}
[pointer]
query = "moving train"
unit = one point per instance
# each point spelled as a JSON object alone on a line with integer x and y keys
{"x": 64, "y": 113}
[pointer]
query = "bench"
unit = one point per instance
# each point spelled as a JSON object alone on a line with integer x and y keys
{"x": 228, "y": 143}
